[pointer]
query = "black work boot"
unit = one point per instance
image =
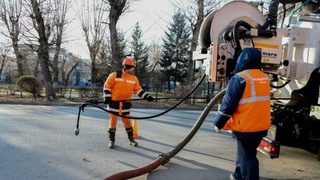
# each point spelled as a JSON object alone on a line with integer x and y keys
{"x": 112, "y": 134}
{"x": 132, "y": 142}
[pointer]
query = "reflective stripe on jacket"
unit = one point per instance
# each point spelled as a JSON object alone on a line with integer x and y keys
{"x": 119, "y": 87}
{"x": 253, "y": 111}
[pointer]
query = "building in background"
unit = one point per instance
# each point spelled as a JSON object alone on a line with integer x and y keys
{"x": 66, "y": 60}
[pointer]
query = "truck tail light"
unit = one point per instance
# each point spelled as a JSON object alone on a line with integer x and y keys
{"x": 269, "y": 147}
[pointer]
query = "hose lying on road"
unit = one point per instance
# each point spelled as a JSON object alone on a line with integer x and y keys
{"x": 164, "y": 158}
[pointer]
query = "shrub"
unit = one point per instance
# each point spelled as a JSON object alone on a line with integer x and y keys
{"x": 30, "y": 84}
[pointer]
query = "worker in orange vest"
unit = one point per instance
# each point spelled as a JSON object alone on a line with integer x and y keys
{"x": 118, "y": 89}
{"x": 245, "y": 110}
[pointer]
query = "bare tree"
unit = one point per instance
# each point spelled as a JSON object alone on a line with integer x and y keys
{"x": 67, "y": 68}
{"x": 157, "y": 78}
{"x": 60, "y": 8}
{"x": 116, "y": 8}
{"x": 4, "y": 50}
{"x": 10, "y": 14}
{"x": 195, "y": 11}
{"x": 48, "y": 21}
{"x": 155, "y": 56}
{"x": 105, "y": 63}
{"x": 40, "y": 15}
{"x": 93, "y": 25}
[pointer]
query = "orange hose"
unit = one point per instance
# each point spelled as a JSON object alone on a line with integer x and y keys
{"x": 136, "y": 172}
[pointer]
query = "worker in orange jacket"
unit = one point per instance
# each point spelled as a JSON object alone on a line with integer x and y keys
{"x": 118, "y": 89}
{"x": 245, "y": 110}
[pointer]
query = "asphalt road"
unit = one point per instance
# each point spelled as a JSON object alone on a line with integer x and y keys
{"x": 38, "y": 142}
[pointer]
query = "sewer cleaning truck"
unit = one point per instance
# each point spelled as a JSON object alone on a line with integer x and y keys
{"x": 288, "y": 35}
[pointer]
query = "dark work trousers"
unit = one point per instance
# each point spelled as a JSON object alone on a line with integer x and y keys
{"x": 247, "y": 164}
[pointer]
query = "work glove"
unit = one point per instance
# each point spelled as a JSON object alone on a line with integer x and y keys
{"x": 217, "y": 129}
{"x": 107, "y": 100}
{"x": 150, "y": 98}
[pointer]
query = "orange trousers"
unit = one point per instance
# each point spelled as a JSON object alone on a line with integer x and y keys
{"x": 113, "y": 119}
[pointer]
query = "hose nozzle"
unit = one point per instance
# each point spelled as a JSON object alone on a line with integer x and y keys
{"x": 77, "y": 131}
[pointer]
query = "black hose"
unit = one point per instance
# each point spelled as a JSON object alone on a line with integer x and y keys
{"x": 196, "y": 126}
{"x": 153, "y": 116}
{"x": 236, "y": 36}
{"x": 164, "y": 158}
{"x": 95, "y": 104}
{"x": 281, "y": 86}
{"x": 236, "y": 32}
{"x": 273, "y": 13}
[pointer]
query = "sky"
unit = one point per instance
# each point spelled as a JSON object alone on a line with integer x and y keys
{"x": 153, "y": 17}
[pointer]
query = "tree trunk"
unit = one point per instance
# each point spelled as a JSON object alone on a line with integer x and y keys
{"x": 19, "y": 57}
{"x": 65, "y": 75}
{"x": 94, "y": 71}
{"x": 195, "y": 36}
{"x": 114, "y": 43}
{"x": 116, "y": 9}
{"x": 55, "y": 64}
{"x": 43, "y": 51}
{"x": 47, "y": 77}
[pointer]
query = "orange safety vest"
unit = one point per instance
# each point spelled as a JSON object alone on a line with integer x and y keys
{"x": 122, "y": 87}
{"x": 253, "y": 111}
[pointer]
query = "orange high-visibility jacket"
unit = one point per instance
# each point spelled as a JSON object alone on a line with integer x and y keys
{"x": 253, "y": 111}
{"x": 121, "y": 88}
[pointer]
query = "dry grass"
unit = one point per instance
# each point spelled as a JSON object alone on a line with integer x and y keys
{"x": 18, "y": 98}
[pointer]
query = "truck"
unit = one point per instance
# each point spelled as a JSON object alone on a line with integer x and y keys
{"x": 288, "y": 35}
